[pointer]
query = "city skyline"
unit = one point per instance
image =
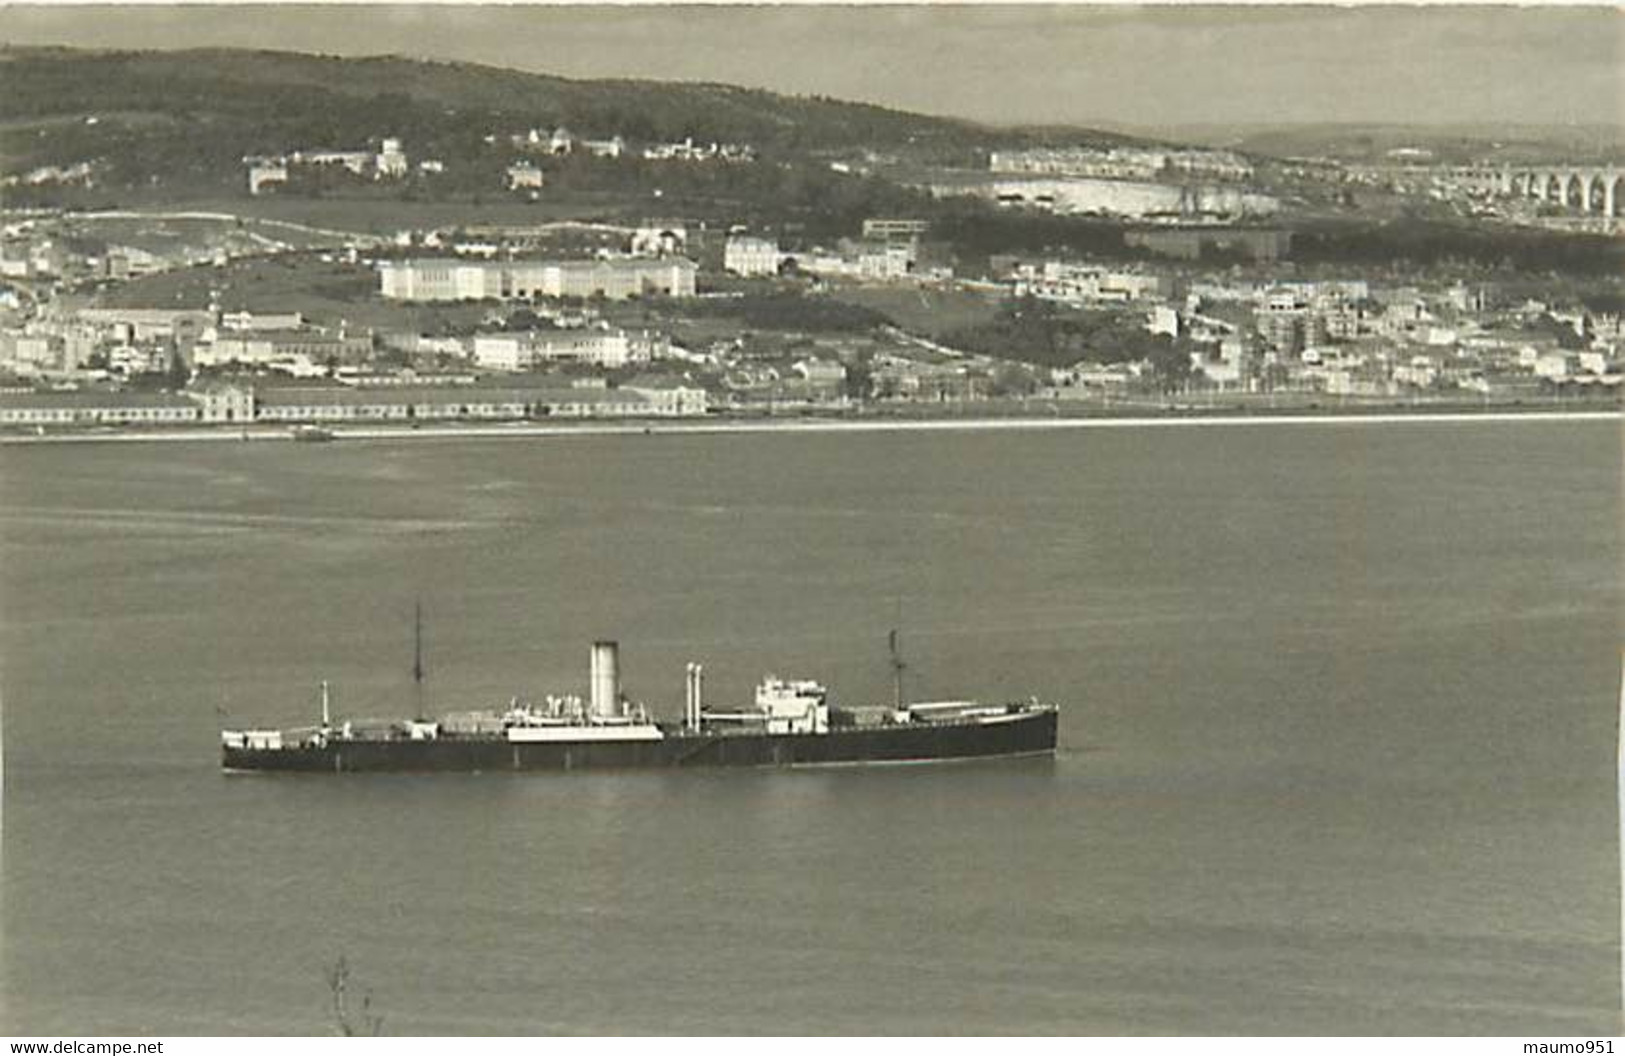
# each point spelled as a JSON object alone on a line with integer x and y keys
{"x": 1162, "y": 66}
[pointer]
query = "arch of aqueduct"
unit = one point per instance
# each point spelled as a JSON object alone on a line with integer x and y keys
{"x": 1593, "y": 189}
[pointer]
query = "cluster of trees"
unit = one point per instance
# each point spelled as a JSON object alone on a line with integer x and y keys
{"x": 1425, "y": 243}
{"x": 979, "y": 231}
{"x": 1604, "y": 302}
{"x": 1044, "y": 334}
{"x": 1567, "y": 338}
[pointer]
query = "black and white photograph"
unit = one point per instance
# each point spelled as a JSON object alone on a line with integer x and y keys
{"x": 756, "y": 520}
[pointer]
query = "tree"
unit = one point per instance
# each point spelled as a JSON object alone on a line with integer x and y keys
{"x": 1170, "y": 364}
{"x": 859, "y": 381}
{"x": 179, "y": 373}
{"x": 1013, "y": 379}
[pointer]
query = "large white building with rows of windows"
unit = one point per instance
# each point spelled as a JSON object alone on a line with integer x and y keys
{"x": 528, "y": 349}
{"x": 751, "y": 257}
{"x": 96, "y": 408}
{"x": 450, "y": 279}
{"x": 223, "y": 402}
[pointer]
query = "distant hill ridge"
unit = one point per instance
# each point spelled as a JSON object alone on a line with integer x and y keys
{"x": 1448, "y": 143}
{"x": 333, "y": 97}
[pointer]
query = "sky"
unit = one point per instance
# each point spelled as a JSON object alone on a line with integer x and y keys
{"x": 1163, "y": 66}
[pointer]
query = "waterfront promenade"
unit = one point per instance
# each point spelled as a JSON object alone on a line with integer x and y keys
{"x": 528, "y": 430}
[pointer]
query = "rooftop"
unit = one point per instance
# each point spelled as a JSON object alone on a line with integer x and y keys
{"x": 96, "y": 399}
{"x": 429, "y": 394}
{"x": 593, "y": 264}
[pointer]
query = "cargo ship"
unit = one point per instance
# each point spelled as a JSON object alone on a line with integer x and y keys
{"x": 792, "y": 723}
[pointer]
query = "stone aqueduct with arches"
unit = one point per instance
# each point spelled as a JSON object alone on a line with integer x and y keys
{"x": 1585, "y": 189}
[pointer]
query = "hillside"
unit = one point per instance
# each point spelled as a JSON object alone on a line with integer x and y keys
{"x": 203, "y": 109}
{"x": 166, "y": 127}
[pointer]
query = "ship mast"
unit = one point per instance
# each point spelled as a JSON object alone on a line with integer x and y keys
{"x": 897, "y": 667}
{"x": 417, "y": 656}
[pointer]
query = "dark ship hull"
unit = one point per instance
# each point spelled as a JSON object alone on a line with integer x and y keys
{"x": 1025, "y": 732}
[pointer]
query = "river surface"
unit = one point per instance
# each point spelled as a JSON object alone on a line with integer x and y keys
{"x": 1337, "y": 735}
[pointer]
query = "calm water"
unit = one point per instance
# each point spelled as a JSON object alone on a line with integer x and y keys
{"x": 1337, "y": 733}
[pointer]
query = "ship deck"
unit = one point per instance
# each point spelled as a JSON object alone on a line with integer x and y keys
{"x": 1029, "y": 731}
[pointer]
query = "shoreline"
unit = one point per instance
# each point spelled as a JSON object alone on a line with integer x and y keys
{"x": 342, "y": 433}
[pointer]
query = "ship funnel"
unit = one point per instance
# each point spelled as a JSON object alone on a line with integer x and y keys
{"x": 606, "y": 680}
{"x": 693, "y": 689}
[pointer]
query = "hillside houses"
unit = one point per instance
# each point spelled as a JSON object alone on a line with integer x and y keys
{"x": 561, "y": 142}
{"x": 688, "y": 150}
{"x": 1068, "y": 283}
{"x": 268, "y": 172}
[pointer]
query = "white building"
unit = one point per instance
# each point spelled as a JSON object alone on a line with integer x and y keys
{"x": 1075, "y": 195}
{"x": 613, "y": 147}
{"x": 1163, "y": 320}
{"x": 831, "y": 265}
{"x": 30, "y": 354}
{"x": 886, "y": 260}
{"x": 821, "y": 371}
{"x": 1594, "y": 362}
{"x": 356, "y": 161}
{"x": 447, "y": 279}
{"x": 1121, "y": 162}
{"x": 467, "y": 402}
{"x": 246, "y": 320}
{"x": 143, "y": 324}
{"x": 391, "y": 160}
{"x": 95, "y": 408}
{"x": 1419, "y": 371}
{"x": 524, "y": 176}
{"x": 136, "y": 359}
{"x": 751, "y": 257}
{"x": 659, "y": 238}
{"x": 1069, "y": 283}
{"x": 223, "y": 402}
{"x": 263, "y": 174}
{"x": 672, "y": 400}
{"x": 529, "y": 349}
{"x": 1554, "y": 366}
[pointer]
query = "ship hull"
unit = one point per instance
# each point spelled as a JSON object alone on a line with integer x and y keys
{"x": 1028, "y": 733}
